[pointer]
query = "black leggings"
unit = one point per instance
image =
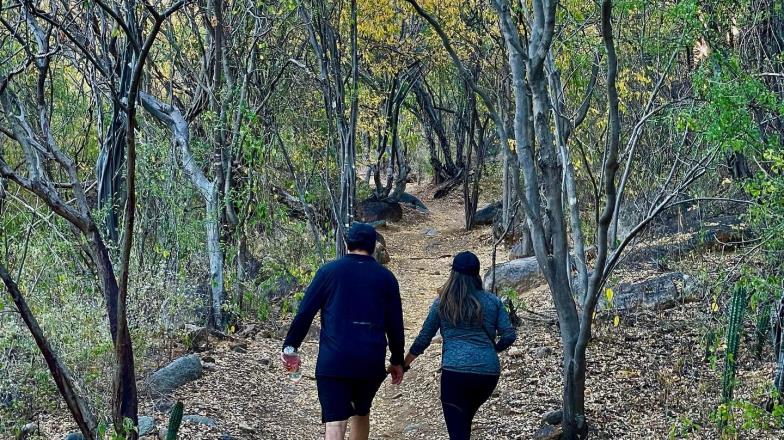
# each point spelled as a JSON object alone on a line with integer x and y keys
{"x": 461, "y": 396}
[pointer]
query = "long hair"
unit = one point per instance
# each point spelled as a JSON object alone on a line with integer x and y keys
{"x": 458, "y": 301}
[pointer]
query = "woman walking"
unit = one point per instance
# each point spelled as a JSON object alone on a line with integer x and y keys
{"x": 475, "y": 326}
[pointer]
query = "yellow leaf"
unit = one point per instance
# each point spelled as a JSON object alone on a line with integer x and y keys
{"x": 609, "y": 295}
{"x": 616, "y": 320}
{"x": 714, "y": 307}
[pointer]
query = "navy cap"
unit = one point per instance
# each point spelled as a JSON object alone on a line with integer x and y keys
{"x": 466, "y": 263}
{"x": 363, "y": 235}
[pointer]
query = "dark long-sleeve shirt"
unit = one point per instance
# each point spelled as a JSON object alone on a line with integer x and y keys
{"x": 470, "y": 348}
{"x": 361, "y": 314}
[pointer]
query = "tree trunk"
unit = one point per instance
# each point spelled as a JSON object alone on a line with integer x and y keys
{"x": 215, "y": 255}
{"x": 78, "y": 407}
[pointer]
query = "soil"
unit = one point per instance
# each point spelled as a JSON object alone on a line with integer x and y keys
{"x": 647, "y": 376}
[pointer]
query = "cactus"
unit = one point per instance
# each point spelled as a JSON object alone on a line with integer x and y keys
{"x": 763, "y": 327}
{"x": 734, "y": 326}
{"x": 175, "y": 418}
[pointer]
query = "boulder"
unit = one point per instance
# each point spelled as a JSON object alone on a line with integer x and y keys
{"x": 74, "y": 436}
{"x": 146, "y": 425}
{"x": 412, "y": 201}
{"x": 372, "y": 210}
{"x": 486, "y": 215}
{"x": 519, "y": 275}
{"x": 175, "y": 375}
{"x": 522, "y": 249}
{"x": 659, "y": 292}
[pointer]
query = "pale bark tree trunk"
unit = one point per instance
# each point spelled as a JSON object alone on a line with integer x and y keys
{"x": 172, "y": 118}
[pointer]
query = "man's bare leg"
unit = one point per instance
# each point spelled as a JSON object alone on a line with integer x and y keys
{"x": 360, "y": 428}
{"x": 335, "y": 430}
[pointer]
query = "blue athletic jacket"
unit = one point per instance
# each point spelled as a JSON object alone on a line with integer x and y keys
{"x": 361, "y": 314}
{"x": 470, "y": 348}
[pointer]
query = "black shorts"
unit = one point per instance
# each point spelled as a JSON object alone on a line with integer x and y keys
{"x": 342, "y": 398}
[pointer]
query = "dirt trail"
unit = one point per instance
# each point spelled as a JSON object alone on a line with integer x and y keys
{"x": 647, "y": 376}
{"x": 255, "y": 400}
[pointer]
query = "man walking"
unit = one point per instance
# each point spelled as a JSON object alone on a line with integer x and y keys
{"x": 361, "y": 314}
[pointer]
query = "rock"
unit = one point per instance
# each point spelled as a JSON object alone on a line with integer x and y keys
{"x": 199, "y": 420}
{"x": 381, "y": 254}
{"x": 208, "y": 359}
{"x": 265, "y": 360}
{"x": 248, "y": 331}
{"x": 553, "y": 417}
{"x": 163, "y": 405}
{"x": 414, "y": 202}
{"x": 518, "y": 275}
{"x": 240, "y": 347}
{"x": 74, "y": 436}
{"x": 430, "y": 232}
{"x": 175, "y": 375}
{"x": 198, "y": 338}
{"x": 516, "y": 352}
{"x": 27, "y": 430}
{"x": 378, "y": 224}
{"x": 371, "y": 210}
{"x": 522, "y": 249}
{"x": 246, "y": 429}
{"x": 209, "y": 366}
{"x": 660, "y": 292}
{"x": 411, "y": 428}
{"x": 548, "y": 432}
{"x": 486, "y": 215}
{"x": 541, "y": 352}
{"x": 146, "y": 425}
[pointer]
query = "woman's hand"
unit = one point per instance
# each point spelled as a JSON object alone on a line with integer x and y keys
{"x": 408, "y": 361}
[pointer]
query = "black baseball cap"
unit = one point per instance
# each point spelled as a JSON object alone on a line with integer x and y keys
{"x": 361, "y": 236}
{"x": 466, "y": 263}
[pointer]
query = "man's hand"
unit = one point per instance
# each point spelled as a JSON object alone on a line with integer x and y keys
{"x": 397, "y": 373}
{"x": 290, "y": 363}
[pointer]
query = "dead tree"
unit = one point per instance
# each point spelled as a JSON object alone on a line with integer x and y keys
{"x": 323, "y": 37}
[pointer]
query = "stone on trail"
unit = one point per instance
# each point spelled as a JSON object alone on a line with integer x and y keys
{"x": 486, "y": 215}
{"x": 430, "y": 232}
{"x": 553, "y": 417}
{"x": 518, "y": 275}
{"x": 176, "y": 374}
{"x": 548, "y": 432}
{"x": 660, "y": 292}
{"x": 372, "y": 210}
{"x": 74, "y": 436}
{"x": 146, "y": 425}
{"x": 199, "y": 420}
